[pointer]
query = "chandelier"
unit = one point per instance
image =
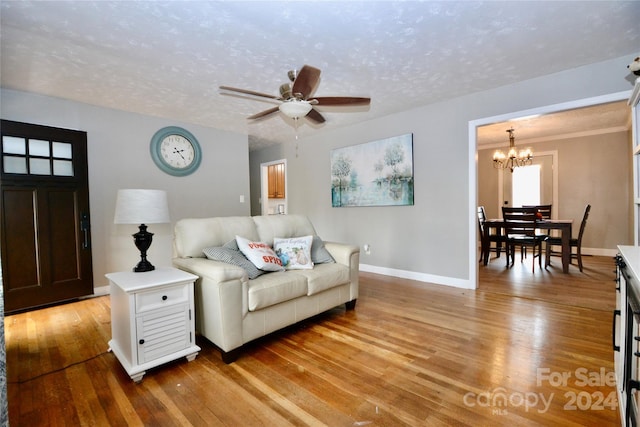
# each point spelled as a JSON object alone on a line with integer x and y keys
{"x": 513, "y": 158}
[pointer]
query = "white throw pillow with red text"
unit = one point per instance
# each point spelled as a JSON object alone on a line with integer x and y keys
{"x": 260, "y": 254}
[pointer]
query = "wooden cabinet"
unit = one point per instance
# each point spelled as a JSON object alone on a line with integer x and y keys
{"x": 152, "y": 318}
{"x": 276, "y": 181}
{"x": 620, "y": 328}
{"x": 626, "y": 334}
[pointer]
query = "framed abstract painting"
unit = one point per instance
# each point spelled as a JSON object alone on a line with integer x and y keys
{"x": 377, "y": 173}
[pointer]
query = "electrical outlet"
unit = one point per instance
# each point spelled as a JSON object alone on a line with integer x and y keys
{"x": 367, "y": 249}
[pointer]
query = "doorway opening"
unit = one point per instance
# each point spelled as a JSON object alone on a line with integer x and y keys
{"x": 273, "y": 188}
{"x": 473, "y": 160}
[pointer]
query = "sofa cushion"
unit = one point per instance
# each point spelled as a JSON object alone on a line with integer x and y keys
{"x": 234, "y": 257}
{"x": 324, "y": 276}
{"x": 271, "y": 226}
{"x": 294, "y": 252}
{"x": 260, "y": 254}
{"x": 320, "y": 254}
{"x": 192, "y": 235}
{"x": 273, "y": 288}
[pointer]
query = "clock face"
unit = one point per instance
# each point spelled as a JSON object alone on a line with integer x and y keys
{"x": 175, "y": 151}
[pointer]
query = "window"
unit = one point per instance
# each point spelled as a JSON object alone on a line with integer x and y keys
{"x": 36, "y": 156}
{"x": 526, "y": 186}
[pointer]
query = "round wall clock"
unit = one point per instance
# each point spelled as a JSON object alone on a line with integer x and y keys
{"x": 175, "y": 151}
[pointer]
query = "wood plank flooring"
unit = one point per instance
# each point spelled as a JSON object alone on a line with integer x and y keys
{"x": 410, "y": 354}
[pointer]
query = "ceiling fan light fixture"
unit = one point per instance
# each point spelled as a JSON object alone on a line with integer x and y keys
{"x": 295, "y": 108}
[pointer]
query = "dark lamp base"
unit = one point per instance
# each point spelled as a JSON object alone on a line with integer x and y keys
{"x": 143, "y": 266}
{"x": 143, "y": 240}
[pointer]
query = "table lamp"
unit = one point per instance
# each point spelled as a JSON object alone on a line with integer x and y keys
{"x": 142, "y": 207}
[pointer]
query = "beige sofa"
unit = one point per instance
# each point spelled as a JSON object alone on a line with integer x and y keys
{"x": 231, "y": 309}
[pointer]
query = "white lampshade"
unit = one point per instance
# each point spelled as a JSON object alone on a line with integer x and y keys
{"x": 135, "y": 206}
{"x": 295, "y": 108}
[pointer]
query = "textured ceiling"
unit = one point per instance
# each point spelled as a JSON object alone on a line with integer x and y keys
{"x": 167, "y": 59}
{"x": 597, "y": 119}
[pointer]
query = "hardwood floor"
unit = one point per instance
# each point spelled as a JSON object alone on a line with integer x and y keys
{"x": 411, "y": 353}
{"x": 576, "y": 289}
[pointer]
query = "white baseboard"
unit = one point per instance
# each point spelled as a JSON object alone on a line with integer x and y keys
{"x": 421, "y": 277}
{"x": 451, "y": 281}
{"x": 599, "y": 252}
{"x": 99, "y": 291}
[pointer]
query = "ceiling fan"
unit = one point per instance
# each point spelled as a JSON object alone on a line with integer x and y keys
{"x": 295, "y": 97}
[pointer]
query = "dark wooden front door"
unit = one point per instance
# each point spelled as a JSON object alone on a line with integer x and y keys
{"x": 44, "y": 215}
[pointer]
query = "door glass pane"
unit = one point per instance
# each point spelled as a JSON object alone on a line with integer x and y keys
{"x": 63, "y": 167}
{"x": 13, "y": 145}
{"x": 38, "y": 147}
{"x": 15, "y": 164}
{"x": 39, "y": 166}
{"x": 62, "y": 150}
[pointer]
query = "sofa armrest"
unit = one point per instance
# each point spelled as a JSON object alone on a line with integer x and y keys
{"x": 217, "y": 271}
{"x": 342, "y": 253}
{"x": 219, "y": 300}
{"x": 348, "y": 255}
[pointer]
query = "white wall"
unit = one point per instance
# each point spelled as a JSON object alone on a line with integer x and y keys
{"x": 119, "y": 157}
{"x": 431, "y": 240}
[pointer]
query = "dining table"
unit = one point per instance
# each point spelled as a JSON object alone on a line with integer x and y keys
{"x": 564, "y": 225}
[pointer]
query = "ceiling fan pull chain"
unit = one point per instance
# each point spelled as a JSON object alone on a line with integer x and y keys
{"x": 295, "y": 122}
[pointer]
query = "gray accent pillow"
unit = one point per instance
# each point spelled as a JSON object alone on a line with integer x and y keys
{"x": 234, "y": 257}
{"x": 320, "y": 254}
{"x": 233, "y": 245}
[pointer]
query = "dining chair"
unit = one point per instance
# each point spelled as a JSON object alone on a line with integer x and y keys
{"x": 574, "y": 243}
{"x": 544, "y": 212}
{"x": 520, "y": 230}
{"x": 485, "y": 242}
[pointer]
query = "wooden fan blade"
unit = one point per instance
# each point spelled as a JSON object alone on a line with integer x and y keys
{"x": 306, "y": 81}
{"x": 249, "y": 92}
{"x": 264, "y": 113}
{"x": 342, "y": 100}
{"x": 315, "y": 116}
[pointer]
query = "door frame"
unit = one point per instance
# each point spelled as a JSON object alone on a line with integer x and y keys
{"x": 473, "y": 161}
{"x": 264, "y": 186}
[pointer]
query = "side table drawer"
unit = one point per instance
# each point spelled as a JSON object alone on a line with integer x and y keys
{"x": 160, "y": 298}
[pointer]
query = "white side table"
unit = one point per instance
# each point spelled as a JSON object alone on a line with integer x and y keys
{"x": 152, "y": 318}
